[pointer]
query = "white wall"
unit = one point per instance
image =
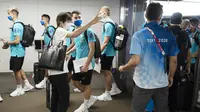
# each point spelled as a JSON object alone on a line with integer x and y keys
{"x": 30, "y": 12}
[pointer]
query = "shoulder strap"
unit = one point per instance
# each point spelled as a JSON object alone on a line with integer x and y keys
{"x": 74, "y": 28}
{"x": 51, "y": 41}
{"x": 197, "y": 34}
{"x": 110, "y": 23}
{"x": 157, "y": 41}
{"x": 114, "y": 26}
{"x": 20, "y": 23}
{"x": 183, "y": 32}
{"x": 47, "y": 30}
{"x": 196, "y": 37}
{"x": 17, "y": 22}
{"x": 86, "y": 36}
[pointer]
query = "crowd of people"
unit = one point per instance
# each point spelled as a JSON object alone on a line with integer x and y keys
{"x": 155, "y": 57}
{"x": 70, "y": 30}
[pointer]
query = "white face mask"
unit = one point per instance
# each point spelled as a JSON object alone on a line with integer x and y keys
{"x": 67, "y": 26}
{"x": 103, "y": 17}
{"x": 72, "y": 24}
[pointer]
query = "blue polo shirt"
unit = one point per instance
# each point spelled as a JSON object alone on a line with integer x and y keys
{"x": 68, "y": 42}
{"x": 47, "y": 39}
{"x": 17, "y": 50}
{"x": 82, "y": 47}
{"x": 194, "y": 48}
{"x": 108, "y": 30}
{"x": 150, "y": 74}
{"x": 164, "y": 25}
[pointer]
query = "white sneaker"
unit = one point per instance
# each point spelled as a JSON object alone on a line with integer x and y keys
{"x": 77, "y": 90}
{"x": 41, "y": 85}
{"x": 115, "y": 91}
{"x": 27, "y": 87}
{"x": 105, "y": 97}
{"x": 92, "y": 100}
{"x": 17, "y": 92}
{"x": 82, "y": 108}
{"x": 1, "y": 99}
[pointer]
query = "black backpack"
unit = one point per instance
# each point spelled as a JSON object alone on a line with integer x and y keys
{"x": 28, "y": 35}
{"x": 97, "y": 53}
{"x": 47, "y": 30}
{"x": 183, "y": 43}
{"x": 120, "y": 37}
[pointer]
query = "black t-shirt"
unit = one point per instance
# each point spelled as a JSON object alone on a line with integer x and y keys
{"x": 182, "y": 37}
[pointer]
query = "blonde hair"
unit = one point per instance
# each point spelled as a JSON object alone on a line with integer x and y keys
{"x": 107, "y": 9}
{"x": 13, "y": 9}
{"x": 185, "y": 23}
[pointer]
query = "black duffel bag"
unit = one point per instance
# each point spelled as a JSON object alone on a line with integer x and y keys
{"x": 53, "y": 56}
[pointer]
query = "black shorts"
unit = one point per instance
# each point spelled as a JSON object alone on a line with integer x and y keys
{"x": 16, "y": 63}
{"x": 71, "y": 65}
{"x": 106, "y": 62}
{"x": 84, "y": 78}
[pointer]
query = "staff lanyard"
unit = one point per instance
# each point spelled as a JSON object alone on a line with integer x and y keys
{"x": 157, "y": 41}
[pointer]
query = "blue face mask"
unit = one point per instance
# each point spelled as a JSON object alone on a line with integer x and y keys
{"x": 78, "y": 22}
{"x": 10, "y": 18}
{"x": 42, "y": 22}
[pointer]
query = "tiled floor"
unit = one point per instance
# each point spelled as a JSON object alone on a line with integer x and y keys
{"x": 35, "y": 101}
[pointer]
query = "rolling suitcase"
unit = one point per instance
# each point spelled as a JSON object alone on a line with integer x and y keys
{"x": 184, "y": 94}
{"x": 38, "y": 73}
{"x": 181, "y": 92}
{"x": 48, "y": 94}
